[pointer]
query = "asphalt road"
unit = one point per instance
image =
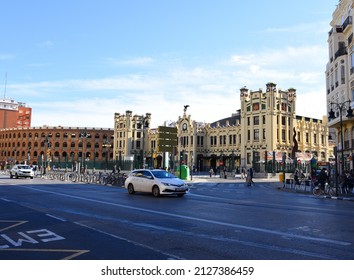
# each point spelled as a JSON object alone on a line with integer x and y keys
{"x": 43, "y": 219}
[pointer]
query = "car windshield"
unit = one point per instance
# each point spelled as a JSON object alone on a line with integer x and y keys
{"x": 162, "y": 174}
{"x": 24, "y": 167}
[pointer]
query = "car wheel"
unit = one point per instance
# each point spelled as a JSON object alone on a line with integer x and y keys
{"x": 155, "y": 191}
{"x": 11, "y": 176}
{"x": 31, "y": 177}
{"x": 131, "y": 189}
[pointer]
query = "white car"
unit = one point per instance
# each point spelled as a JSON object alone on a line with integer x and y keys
{"x": 21, "y": 170}
{"x": 157, "y": 182}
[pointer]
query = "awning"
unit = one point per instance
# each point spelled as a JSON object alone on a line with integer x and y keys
{"x": 304, "y": 157}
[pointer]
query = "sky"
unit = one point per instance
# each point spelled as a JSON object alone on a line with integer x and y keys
{"x": 77, "y": 63}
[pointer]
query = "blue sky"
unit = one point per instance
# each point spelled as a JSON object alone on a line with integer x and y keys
{"x": 78, "y": 62}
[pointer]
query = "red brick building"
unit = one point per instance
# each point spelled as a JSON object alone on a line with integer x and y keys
{"x": 58, "y": 146}
{"x": 14, "y": 114}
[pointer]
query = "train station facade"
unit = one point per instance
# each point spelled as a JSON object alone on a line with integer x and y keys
{"x": 265, "y": 128}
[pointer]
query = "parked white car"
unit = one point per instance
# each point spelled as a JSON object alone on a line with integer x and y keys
{"x": 21, "y": 170}
{"x": 158, "y": 182}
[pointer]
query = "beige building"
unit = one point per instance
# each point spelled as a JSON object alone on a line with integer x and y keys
{"x": 340, "y": 81}
{"x": 265, "y": 126}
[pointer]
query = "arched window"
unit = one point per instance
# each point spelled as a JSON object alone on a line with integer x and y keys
{"x": 65, "y": 144}
{"x": 56, "y": 145}
{"x": 72, "y": 145}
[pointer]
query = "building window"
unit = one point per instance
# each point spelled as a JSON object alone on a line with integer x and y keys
{"x": 342, "y": 74}
{"x": 256, "y": 120}
{"x": 256, "y": 135}
{"x": 283, "y": 120}
{"x": 248, "y": 158}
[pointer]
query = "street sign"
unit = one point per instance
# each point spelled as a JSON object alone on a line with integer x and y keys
{"x": 167, "y": 138}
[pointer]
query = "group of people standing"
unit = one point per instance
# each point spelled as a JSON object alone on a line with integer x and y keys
{"x": 248, "y": 175}
{"x": 346, "y": 180}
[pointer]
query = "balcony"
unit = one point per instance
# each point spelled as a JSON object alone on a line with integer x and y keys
{"x": 347, "y": 22}
{"x": 342, "y": 51}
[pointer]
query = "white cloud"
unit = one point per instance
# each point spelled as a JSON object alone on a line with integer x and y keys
{"x": 137, "y": 61}
{"x": 46, "y": 44}
{"x": 313, "y": 27}
{"x": 211, "y": 91}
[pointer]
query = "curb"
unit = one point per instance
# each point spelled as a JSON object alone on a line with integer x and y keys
{"x": 337, "y": 197}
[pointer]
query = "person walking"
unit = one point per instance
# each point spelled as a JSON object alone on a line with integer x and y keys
{"x": 248, "y": 178}
{"x": 211, "y": 171}
{"x": 322, "y": 178}
{"x": 251, "y": 174}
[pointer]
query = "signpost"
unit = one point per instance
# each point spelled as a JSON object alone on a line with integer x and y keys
{"x": 167, "y": 140}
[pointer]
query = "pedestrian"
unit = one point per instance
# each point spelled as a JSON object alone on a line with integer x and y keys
{"x": 322, "y": 178}
{"x": 296, "y": 177}
{"x": 211, "y": 171}
{"x": 248, "y": 178}
{"x": 251, "y": 174}
{"x": 243, "y": 173}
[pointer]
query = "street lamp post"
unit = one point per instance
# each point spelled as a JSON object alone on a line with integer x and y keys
{"x": 340, "y": 106}
{"x": 83, "y": 135}
{"x": 107, "y": 146}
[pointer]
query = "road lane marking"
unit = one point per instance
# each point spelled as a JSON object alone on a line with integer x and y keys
{"x": 236, "y": 226}
{"x": 129, "y": 241}
{"x": 73, "y": 253}
{"x": 13, "y": 224}
{"x": 56, "y": 217}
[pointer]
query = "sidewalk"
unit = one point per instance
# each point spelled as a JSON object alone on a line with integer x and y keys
{"x": 230, "y": 179}
{"x": 233, "y": 180}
